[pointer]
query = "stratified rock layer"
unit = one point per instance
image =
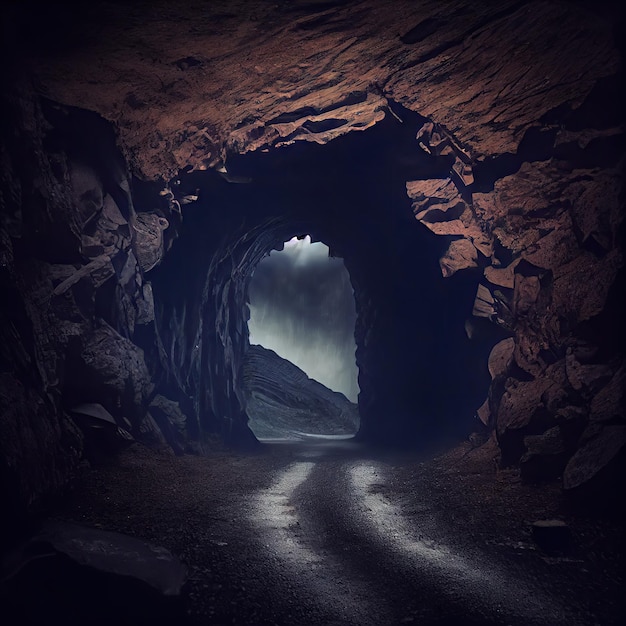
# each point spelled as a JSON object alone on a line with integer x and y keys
{"x": 284, "y": 401}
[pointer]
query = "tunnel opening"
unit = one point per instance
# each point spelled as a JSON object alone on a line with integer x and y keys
{"x": 420, "y": 377}
{"x": 300, "y": 374}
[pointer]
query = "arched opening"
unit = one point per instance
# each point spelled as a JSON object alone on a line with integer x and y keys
{"x": 420, "y": 377}
{"x": 300, "y": 374}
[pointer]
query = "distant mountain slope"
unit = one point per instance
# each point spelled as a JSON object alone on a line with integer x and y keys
{"x": 283, "y": 400}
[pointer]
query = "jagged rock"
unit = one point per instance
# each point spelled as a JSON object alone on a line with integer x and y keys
{"x": 500, "y": 357}
{"x": 86, "y": 575}
{"x": 111, "y": 369}
{"x": 596, "y": 470}
{"x": 576, "y": 296}
{"x": 102, "y": 434}
{"x": 107, "y": 233}
{"x": 434, "y": 139}
{"x": 502, "y": 276}
{"x": 608, "y": 403}
{"x": 171, "y": 421}
{"x": 595, "y": 207}
{"x": 585, "y": 377}
{"x": 460, "y": 255}
{"x": 523, "y": 411}
{"x": 484, "y": 412}
{"x": 493, "y": 305}
{"x": 97, "y": 416}
{"x": 484, "y": 303}
{"x": 145, "y": 305}
{"x": 149, "y": 229}
{"x": 527, "y": 290}
{"x": 150, "y": 431}
{"x": 555, "y": 248}
{"x": 86, "y": 189}
{"x": 99, "y": 270}
{"x": 545, "y": 456}
{"x": 283, "y": 400}
{"x": 440, "y": 207}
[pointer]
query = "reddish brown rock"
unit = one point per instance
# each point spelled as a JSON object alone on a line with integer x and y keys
{"x": 581, "y": 286}
{"x": 586, "y": 378}
{"x": 596, "y": 471}
{"x": 460, "y": 255}
{"x": 439, "y": 206}
{"x": 500, "y": 357}
{"x": 502, "y": 276}
{"x": 524, "y": 409}
{"x": 290, "y": 76}
{"x": 533, "y": 182}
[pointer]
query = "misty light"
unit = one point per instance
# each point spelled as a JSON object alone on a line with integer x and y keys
{"x": 302, "y": 307}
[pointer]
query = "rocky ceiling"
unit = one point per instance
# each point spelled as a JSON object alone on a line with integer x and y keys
{"x": 485, "y": 137}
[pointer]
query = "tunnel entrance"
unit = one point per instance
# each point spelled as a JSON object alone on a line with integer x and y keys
{"x": 300, "y": 374}
{"x": 419, "y": 374}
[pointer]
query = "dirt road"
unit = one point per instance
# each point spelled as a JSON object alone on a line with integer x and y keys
{"x": 326, "y": 532}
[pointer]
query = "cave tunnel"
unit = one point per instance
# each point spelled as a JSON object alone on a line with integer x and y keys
{"x": 419, "y": 374}
{"x": 465, "y": 163}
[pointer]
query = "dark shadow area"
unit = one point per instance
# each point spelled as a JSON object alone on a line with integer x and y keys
{"x": 420, "y": 377}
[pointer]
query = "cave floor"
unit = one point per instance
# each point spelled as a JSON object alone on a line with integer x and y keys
{"x": 329, "y": 532}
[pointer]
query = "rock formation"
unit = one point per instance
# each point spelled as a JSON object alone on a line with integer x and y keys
{"x": 88, "y": 575}
{"x": 283, "y": 401}
{"x": 484, "y": 144}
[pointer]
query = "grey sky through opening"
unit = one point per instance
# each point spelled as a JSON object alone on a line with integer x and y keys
{"x": 302, "y": 307}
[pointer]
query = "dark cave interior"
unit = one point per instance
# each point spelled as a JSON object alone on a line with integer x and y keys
{"x": 151, "y": 156}
{"x": 359, "y": 207}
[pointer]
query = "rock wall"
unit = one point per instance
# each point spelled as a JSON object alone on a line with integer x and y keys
{"x": 517, "y": 106}
{"x": 75, "y": 296}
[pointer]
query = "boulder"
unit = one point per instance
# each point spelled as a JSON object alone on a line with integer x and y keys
{"x": 108, "y": 233}
{"x": 553, "y": 536}
{"x": 171, "y": 421}
{"x": 460, "y": 255}
{"x": 439, "y": 205}
{"x": 586, "y": 378}
{"x": 83, "y": 575}
{"x": 577, "y": 297}
{"x": 500, "y": 357}
{"x": 149, "y": 248}
{"x": 502, "y": 276}
{"x": 150, "y": 431}
{"x": 608, "y": 403}
{"x": 523, "y": 411}
{"x": 596, "y": 472}
{"x": 102, "y": 433}
{"x": 545, "y": 456}
{"x": 110, "y": 369}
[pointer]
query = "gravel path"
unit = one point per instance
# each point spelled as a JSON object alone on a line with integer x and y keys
{"x": 328, "y": 532}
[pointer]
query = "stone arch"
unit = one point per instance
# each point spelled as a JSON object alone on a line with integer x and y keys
{"x": 406, "y": 322}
